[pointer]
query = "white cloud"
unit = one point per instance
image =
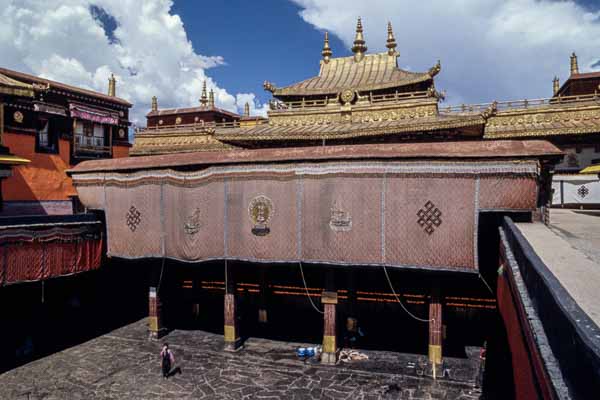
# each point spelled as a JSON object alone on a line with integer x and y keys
{"x": 489, "y": 49}
{"x": 151, "y": 53}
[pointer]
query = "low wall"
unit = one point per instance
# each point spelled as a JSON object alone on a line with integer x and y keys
{"x": 39, "y": 248}
{"x": 555, "y": 346}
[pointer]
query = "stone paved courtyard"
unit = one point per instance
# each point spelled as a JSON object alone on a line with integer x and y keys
{"x": 124, "y": 365}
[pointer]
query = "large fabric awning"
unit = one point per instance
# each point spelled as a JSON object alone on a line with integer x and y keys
{"x": 93, "y": 114}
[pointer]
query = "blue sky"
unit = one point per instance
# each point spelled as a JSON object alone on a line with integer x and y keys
{"x": 489, "y": 49}
{"x": 259, "y": 40}
{"x": 269, "y": 39}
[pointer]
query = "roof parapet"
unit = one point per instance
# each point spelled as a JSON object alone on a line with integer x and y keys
{"x": 359, "y": 49}
{"x": 391, "y": 41}
{"x": 326, "y": 53}
{"x": 203, "y": 97}
{"x": 574, "y": 65}
{"x": 211, "y": 99}
{"x": 112, "y": 86}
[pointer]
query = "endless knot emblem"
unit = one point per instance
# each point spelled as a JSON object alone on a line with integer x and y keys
{"x": 134, "y": 217}
{"x": 429, "y": 217}
{"x": 260, "y": 211}
{"x": 583, "y": 191}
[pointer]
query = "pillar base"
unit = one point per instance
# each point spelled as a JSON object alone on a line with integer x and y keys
{"x": 232, "y": 342}
{"x": 435, "y": 354}
{"x": 329, "y": 358}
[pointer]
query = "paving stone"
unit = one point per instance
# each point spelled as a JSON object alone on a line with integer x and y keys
{"x": 124, "y": 364}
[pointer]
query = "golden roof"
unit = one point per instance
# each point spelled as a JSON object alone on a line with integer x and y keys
{"x": 361, "y": 72}
{"x": 13, "y": 87}
{"x": 373, "y": 72}
{"x": 345, "y": 130}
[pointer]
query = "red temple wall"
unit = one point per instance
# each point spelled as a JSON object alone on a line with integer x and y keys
{"x": 44, "y": 178}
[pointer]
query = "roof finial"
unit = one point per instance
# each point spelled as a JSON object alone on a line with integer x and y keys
{"x": 326, "y": 53}
{"x": 203, "y": 98}
{"x": 391, "y": 41}
{"x": 154, "y": 103}
{"x": 211, "y": 99}
{"x": 112, "y": 86}
{"x": 359, "y": 49}
{"x": 574, "y": 66}
{"x": 246, "y": 110}
{"x": 555, "y": 85}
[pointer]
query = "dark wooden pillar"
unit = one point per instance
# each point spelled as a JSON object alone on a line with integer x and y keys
{"x": 435, "y": 326}
{"x": 155, "y": 323}
{"x": 263, "y": 295}
{"x": 351, "y": 319}
{"x": 231, "y": 331}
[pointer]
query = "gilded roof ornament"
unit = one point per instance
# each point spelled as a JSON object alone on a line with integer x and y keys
{"x": 359, "y": 49}
{"x": 204, "y": 98}
{"x": 268, "y": 86}
{"x": 391, "y": 41}
{"x": 112, "y": 86}
{"x": 433, "y": 71}
{"x": 574, "y": 65}
{"x": 211, "y": 99}
{"x": 326, "y": 53}
{"x": 154, "y": 103}
{"x": 555, "y": 85}
{"x": 490, "y": 111}
{"x": 246, "y": 110}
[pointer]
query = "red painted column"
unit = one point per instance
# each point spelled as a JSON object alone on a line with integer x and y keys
{"x": 329, "y": 355}
{"x": 155, "y": 325}
{"x": 230, "y": 330}
{"x": 435, "y": 327}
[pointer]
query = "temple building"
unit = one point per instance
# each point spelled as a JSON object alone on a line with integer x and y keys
{"x": 54, "y": 126}
{"x": 367, "y": 98}
{"x": 183, "y": 129}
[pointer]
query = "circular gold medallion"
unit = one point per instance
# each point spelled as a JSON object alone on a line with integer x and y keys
{"x": 347, "y": 96}
{"x": 18, "y": 117}
{"x": 178, "y": 120}
{"x": 121, "y": 133}
{"x": 260, "y": 211}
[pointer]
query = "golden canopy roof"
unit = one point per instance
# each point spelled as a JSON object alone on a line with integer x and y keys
{"x": 361, "y": 72}
{"x": 15, "y": 88}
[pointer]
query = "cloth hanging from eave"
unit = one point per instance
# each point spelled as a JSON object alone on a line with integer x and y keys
{"x": 576, "y": 191}
{"x": 93, "y": 114}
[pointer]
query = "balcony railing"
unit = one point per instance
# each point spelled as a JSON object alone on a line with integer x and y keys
{"x": 521, "y": 104}
{"x": 396, "y": 97}
{"x": 90, "y": 145}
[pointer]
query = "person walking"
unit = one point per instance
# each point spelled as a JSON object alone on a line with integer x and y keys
{"x": 166, "y": 360}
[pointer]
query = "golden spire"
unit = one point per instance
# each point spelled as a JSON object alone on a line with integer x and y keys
{"x": 574, "y": 66}
{"x": 154, "y": 103}
{"x": 112, "y": 86}
{"x": 555, "y": 85}
{"x": 246, "y": 110}
{"x": 391, "y": 41}
{"x": 359, "y": 49}
{"x": 203, "y": 98}
{"x": 211, "y": 99}
{"x": 326, "y": 53}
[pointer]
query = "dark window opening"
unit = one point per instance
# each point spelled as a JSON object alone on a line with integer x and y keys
{"x": 46, "y": 140}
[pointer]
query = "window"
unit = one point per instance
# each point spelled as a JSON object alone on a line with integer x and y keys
{"x": 90, "y": 137}
{"x": 46, "y": 140}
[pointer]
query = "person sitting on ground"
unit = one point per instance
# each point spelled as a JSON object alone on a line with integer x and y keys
{"x": 166, "y": 360}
